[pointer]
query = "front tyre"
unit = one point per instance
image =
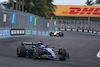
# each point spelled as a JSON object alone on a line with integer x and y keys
{"x": 61, "y": 34}
{"x": 63, "y": 54}
{"x": 36, "y": 53}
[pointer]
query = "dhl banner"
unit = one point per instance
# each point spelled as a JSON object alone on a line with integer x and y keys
{"x": 77, "y": 11}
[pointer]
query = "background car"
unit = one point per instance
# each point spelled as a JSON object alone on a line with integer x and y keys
{"x": 57, "y": 33}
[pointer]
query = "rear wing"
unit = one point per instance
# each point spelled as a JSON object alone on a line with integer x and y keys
{"x": 27, "y": 43}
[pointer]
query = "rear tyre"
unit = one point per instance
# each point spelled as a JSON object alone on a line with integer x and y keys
{"x": 63, "y": 54}
{"x": 61, "y": 34}
{"x": 21, "y": 51}
{"x": 36, "y": 53}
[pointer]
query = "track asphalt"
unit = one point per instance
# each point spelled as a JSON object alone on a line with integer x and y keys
{"x": 81, "y": 47}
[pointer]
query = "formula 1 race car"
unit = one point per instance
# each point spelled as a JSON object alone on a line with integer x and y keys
{"x": 39, "y": 50}
{"x": 57, "y": 33}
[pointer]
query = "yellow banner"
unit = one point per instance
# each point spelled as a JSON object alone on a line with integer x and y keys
{"x": 77, "y": 11}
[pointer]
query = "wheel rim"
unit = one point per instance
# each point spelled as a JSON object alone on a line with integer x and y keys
{"x": 18, "y": 51}
{"x": 34, "y": 53}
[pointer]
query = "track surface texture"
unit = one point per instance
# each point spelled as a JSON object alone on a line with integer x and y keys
{"x": 81, "y": 47}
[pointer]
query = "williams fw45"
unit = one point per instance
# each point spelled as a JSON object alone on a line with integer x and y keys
{"x": 39, "y": 50}
{"x": 57, "y": 33}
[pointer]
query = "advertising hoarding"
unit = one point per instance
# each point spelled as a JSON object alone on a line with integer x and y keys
{"x": 77, "y": 11}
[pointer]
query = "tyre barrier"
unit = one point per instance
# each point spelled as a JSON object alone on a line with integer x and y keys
{"x": 27, "y": 32}
{"x": 90, "y": 31}
{"x": 86, "y": 31}
{"x": 74, "y": 29}
{"x": 98, "y": 32}
{"x": 80, "y": 30}
{"x": 17, "y": 31}
{"x": 33, "y": 32}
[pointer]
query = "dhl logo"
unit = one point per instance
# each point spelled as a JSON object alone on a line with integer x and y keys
{"x": 82, "y": 11}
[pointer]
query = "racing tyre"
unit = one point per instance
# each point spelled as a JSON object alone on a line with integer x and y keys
{"x": 51, "y": 33}
{"x": 63, "y": 54}
{"x": 36, "y": 53}
{"x": 21, "y": 51}
{"x": 61, "y": 34}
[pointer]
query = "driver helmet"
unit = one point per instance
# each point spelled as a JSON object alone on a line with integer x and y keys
{"x": 39, "y": 42}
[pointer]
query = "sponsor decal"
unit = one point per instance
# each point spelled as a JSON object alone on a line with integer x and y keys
{"x": 4, "y": 17}
{"x": 48, "y": 24}
{"x": 88, "y": 11}
{"x": 51, "y": 52}
{"x": 30, "y": 18}
{"x": 5, "y": 32}
{"x": 79, "y": 11}
{"x": 43, "y": 33}
{"x": 34, "y": 32}
{"x": 47, "y": 33}
{"x": 35, "y": 21}
{"x": 39, "y": 33}
{"x": 13, "y": 18}
{"x": 28, "y": 31}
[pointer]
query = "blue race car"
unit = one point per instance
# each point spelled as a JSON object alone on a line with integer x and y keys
{"x": 39, "y": 50}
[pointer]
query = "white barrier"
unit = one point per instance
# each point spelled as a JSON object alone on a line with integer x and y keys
{"x": 90, "y": 31}
{"x": 85, "y": 31}
{"x": 95, "y": 32}
{"x": 68, "y": 29}
{"x": 98, "y": 32}
{"x": 80, "y": 30}
{"x": 74, "y": 29}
